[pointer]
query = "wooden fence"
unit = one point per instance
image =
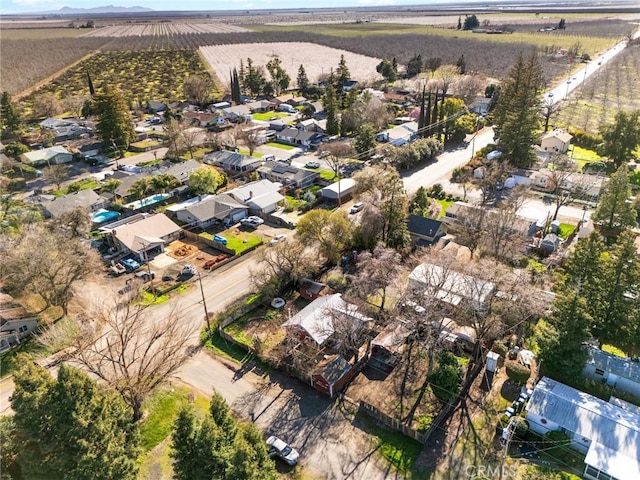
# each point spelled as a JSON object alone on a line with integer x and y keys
{"x": 391, "y": 422}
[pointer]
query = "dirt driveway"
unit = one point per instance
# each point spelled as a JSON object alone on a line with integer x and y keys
{"x": 331, "y": 444}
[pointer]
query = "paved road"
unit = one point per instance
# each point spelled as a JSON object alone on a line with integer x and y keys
{"x": 330, "y": 445}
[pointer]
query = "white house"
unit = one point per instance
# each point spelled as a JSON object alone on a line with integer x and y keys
{"x": 607, "y": 432}
{"x": 339, "y": 190}
{"x": 317, "y": 321}
{"x": 232, "y": 162}
{"x": 86, "y": 199}
{"x": 451, "y": 287}
{"x": 15, "y": 322}
{"x": 556, "y": 141}
{"x": 142, "y": 234}
{"x": 261, "y": 196}
{"x": 400, "y": 135}
{"x": 620, "y": 373}
{"x": 47, "y": 156}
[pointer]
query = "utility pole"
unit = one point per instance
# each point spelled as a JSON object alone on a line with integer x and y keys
{"x": 506, "y": 445}
{"x": 204, "y": 304}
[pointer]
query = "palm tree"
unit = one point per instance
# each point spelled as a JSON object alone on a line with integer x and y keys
{"x": 141, "y": 188}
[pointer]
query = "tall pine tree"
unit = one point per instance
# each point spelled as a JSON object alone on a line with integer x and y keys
{"x": 614, "y": 214}
{"x": 9, "y": 117}
{"x": 517, "y": 111}
{"x": 115, "y": 124}
{"x": 330, "y": 105}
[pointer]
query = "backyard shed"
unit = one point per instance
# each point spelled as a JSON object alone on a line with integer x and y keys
{"x": 331, "y": 375}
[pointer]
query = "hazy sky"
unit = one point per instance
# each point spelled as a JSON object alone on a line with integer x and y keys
{"x": 19, "y": 6}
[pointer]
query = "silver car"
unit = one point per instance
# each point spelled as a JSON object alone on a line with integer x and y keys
{"x": 278, "y": 448}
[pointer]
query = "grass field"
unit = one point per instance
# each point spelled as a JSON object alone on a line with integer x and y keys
{"x": 264, "y": 116}
{"x": 280, "y": 145}
{"x": 237, "y": 240}
{"x": 38, "y": 33}
{"x": 84, "y": 184}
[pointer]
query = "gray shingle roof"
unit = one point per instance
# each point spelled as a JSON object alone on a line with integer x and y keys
{"x": 623, "y": 367}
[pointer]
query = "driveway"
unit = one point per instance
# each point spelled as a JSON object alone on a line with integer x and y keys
{"x": 331, "y": 446}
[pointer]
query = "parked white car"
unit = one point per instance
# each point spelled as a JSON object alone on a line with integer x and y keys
{"x": 278, "y": 448}
{"x": 356, "y": 207}
{"x": 278, "y": 238}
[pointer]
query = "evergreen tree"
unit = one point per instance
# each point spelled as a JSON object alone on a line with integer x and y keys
{"x": 279, "y": 76}
{"x": 365, "y": 139}
{"x": 462, "y": 65}
{"x": 115, "y": 124}
{"x": 71, "y": 427}
{"x": 387, "y": 69}
{"x": 183, "y": 445}
{"x": 562, "y": 24}
{"x": 459, "y": 23}
{"x": 613, "y": 213}
{"x": 92, "y": 91}
{"x": 420, "y": 203}
{"x": 342, "y": 73}
{"x": 221, "y": 416}
{"x": 241, "y": 73}
{"x": 414, "y": 66}
{"x": 422, "y": 116}
{"x": 583, "y": 268}
{"x": 470, "y": 22}
{"x": 250, "y": 456}
{"x": 331, "y": 109}
{"x": 235, "y": 87}
{"x": 302, "y": 80}
{"x": 622, "y": 138}
{"x": 517, "y": 112}
{"x": 8, "y": 113}
{"x": 562, "y": 352}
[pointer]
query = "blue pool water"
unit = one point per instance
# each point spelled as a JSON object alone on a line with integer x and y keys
{"x": 101, "y": 217}
{"x": 145, "y": 202}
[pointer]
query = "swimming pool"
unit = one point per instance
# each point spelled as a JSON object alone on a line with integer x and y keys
{"x": 145, "y": 202}
{"x": 102, "y": 216}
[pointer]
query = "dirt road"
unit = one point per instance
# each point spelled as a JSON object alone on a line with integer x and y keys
{"x": 330, "y": 445}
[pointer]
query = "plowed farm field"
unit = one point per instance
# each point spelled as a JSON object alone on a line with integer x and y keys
{"x": 161, "y": 29}
{"x": 318, "y": 60}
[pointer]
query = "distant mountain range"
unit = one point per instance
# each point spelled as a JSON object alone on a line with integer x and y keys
{"x": 105, "y": 9}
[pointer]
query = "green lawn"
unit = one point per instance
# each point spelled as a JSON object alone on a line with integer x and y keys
{"x": 565, "y": 230}
{"x": 84, "y": 184}
{"x": 399, "y": 450}
{"x": 266, "y": 116}
{"x": 223, "y": 348}
{"x": 444, "y": 204}
{"x": 280, "y": 145}
{"x": 237, "y": 240}
{"x": 148, "y": 143}
{"x": 327, "y": 175}
{"x": 583, "y": 156}
{"x": 244, "y": 151}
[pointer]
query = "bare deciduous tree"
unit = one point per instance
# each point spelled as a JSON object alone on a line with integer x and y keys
{"x": 47, "y": 105}
{"x": 285, "y": 262}
{"x": 58, "y": 173}
{"x": 132, "y": 350}
{"x": 251, "y": 138}
{"x": 339, "y": 153}
{"x": 73, "y": 223}
{"x": 563, "y": 183}
{"x": 47, "y": 264}
{"x": 198, "y": 88}
{"x": 75, "y": 104}
{"x": 375, "y": 272}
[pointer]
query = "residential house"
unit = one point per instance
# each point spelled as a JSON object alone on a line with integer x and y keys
{"x": 331, "y": 375}
{"x": 261, "y": 106}
{"x": 47, "y": 156}
{"x": 348, "y": 85}
{"x": 620, "y": 373}
{"x": 155, "y": 106}
{"x": 71, "y": 131}
{"x": 339, "y": 191}
{"x": 549, "y": 243}
{"x": 310, "y": 289}
{"x": 520, "y": 226}
{"x": 232, "y": 162}
{"x": 451, "y": 287}
{"x": 237, "y": 113}
{"x": 180, "y": 171}
{"x": 85, "y": 199}
{"x": 556, "y": 141}
{"x": 481, "y": 105}
{"x": 142, "y": 234}
{"x": 319, "y": 113}
{"x": 387, "y": 347}
{"x": 127, "y": 180}
{"x": 312, "y": 125}
{"x": 285, "y": 98}
{"x": 219, "y": 106}
{"x": 299, "y": 138}
{"x": 261, "y": 196}
{"x": 607, "y": 432}
{"x": 425, "y": 231}
{"x": 202, "y": 119}
{"x": 400, "y": 135}
{"x": 49, "y": 123}
{"x": 316, "y": 322}
{"x": 589, "y": 186}
{"x": 205, "y": 211}
{"x": 15, "y": 322}
{"x": 287, "y": 175}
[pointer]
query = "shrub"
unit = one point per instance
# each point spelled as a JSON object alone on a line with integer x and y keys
{"x": 424, "y": 422}
{"x": 613, "y": 350}
{"x": 446, "y": 379}
{"x": 585, "y": 139}
{"x": 500, "y": 348}
{"x": 517, "y": 373}
{"x": 521, "y": 427}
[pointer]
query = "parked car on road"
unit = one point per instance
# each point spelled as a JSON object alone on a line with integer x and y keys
{"x": 278, "y": 448}
{"x": 130, "y": 263}
{"x": 312, "y": 164}
{"x": 146, "y": 275}
{"x": 356, "y": 207}
{"x": 281, "y": 237}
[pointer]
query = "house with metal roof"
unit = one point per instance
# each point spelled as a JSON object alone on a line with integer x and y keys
{"x": 339, "y": 191}
{"x": 317, "y": 320}
{"x": 451, "y": 287}
{"x": 606, "y": 432}
{"x": 261, "y": 196}
{"x": 232, "y": 162}
{"x": 85, "y": 199}
{"x": 620, "y": 373}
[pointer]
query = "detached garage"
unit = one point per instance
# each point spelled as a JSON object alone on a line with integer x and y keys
{"x": 339, "y": 191}
{"x": 331, "y": 375}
